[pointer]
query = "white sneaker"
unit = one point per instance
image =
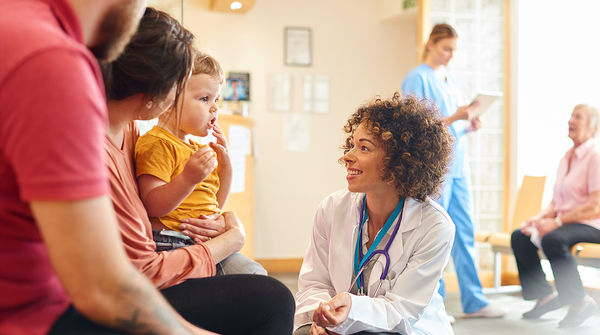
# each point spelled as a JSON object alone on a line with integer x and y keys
{"x": 451, "y": 318}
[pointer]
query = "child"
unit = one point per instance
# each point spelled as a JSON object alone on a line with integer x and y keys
{"x": 179, "y": 178}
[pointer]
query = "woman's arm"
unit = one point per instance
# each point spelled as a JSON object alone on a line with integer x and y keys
{"x": 589, "y": 210}
{"x": 232, "y": 240}
{"x": 462, "y": 113}
{"x": 161, "y": 198}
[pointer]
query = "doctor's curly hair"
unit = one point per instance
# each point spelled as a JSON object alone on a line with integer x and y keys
{"x": 418, "y": 144}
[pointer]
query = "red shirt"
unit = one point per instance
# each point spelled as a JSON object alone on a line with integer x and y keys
{"x": 52, "y": 121}
{"x": 166, "y": 268}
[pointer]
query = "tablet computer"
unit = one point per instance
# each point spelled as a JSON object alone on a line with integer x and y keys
{"x": 485, "y": 99}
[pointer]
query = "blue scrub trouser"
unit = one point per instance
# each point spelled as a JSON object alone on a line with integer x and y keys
{"x": 457, "y": 200}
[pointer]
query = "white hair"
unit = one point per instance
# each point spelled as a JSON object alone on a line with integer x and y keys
{"x": 593, "y": 116}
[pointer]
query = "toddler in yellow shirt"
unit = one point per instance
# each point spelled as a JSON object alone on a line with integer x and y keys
{"x": 179, "y": 178}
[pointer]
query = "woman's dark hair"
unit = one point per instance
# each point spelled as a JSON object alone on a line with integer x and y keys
{"x": 158, "y": 56}
{"x": 418, "y": 145}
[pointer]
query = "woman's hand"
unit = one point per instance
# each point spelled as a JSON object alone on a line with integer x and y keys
{"x": 316, "y": 330}
{"x": 199, "y": 166}
{"x": 545, "y": 225}
{"x": 204, "y": 227}
{"x": 333, "y": 312}
{"x": 475, "y": 124}
{"x": 466, "y": 112}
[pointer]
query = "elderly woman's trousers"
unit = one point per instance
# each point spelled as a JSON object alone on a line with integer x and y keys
{"x": 557, "y": 248}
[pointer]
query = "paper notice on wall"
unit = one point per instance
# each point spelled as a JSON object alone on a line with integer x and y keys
{"x": 296, "y": 132}
{"x": 316, "y": 94}
{"x": 280, "y": 93}
{"x": 239, "y": 147}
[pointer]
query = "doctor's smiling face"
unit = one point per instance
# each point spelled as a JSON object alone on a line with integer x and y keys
{"x": 364, "y": 162}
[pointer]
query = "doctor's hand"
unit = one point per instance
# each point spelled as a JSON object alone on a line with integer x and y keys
{"x": 204, "y": 227}
{"x": 316, "y": 330}
{"x": 333, "y": 312}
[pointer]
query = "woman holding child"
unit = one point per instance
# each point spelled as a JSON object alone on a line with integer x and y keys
{"x": 378, "y": 249}
{"x": 146, "y": 80}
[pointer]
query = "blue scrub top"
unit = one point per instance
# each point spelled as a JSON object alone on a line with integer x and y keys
{"x": 424, "y": 83}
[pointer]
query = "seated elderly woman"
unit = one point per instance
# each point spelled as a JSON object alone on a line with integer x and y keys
{"x": 378, "y": 249}
{"x": 573, "y": 216}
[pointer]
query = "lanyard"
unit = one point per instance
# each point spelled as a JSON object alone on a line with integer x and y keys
{"x": 359, "y": 260}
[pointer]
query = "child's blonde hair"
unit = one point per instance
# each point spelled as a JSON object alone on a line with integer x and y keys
{"x": 206, "y": 64}
{"x": 203, "y": 64}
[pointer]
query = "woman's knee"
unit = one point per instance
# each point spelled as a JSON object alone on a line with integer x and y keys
{"x": 277, "y": 293}
{"x": 554, "y": 243}
{"x": 517, "y": 239}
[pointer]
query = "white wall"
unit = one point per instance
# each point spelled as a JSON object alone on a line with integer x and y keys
{"x": 558, "y": 67}
{"x": 362, "y": 57}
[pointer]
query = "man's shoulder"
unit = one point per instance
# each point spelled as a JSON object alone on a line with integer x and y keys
{"x": 30, "y": 28}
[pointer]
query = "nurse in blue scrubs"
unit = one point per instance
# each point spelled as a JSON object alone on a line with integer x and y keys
{"x": 431, "y": 80}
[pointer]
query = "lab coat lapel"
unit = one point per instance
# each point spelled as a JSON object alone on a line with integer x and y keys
{"x": 350, "y": 237}
{"x": 411, "y": 217}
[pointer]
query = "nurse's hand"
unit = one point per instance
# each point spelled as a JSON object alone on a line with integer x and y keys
{"x": 333, "y": 312}
{"x": 475, "y": 124}
{"x": 204, "y": 227}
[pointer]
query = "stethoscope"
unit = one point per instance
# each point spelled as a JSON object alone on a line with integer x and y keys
{"x": 359, "y": 261}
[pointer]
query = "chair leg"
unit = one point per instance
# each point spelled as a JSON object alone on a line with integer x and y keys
{"x": 497, "y": 270}
{"x": 498, "y": 288}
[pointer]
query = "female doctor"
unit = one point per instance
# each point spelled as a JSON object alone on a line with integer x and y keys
{"x": 378, "y": 249}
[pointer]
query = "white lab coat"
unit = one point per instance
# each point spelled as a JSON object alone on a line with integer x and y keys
{"x": 408, "y": 301}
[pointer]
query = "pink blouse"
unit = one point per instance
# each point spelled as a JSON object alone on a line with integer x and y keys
{"x": 574, "y": 185}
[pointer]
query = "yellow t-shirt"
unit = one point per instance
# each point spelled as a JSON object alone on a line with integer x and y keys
{"x": 161, "y": 154}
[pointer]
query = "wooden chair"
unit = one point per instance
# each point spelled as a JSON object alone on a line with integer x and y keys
{"x": 587, "y": 254}
{"x": 528, "y": 203}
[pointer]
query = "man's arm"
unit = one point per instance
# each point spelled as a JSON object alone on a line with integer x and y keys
{"x": 87, "y": 254}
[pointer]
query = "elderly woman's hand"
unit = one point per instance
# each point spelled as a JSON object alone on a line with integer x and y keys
{"x": 333, "y": 312}
{"x": 545, "y": 225}
{"x": 203, "y": 228}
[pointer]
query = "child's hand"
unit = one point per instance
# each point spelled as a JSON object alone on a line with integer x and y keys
{"x": 221, "y": 148}
{"x": 200, "y": 165}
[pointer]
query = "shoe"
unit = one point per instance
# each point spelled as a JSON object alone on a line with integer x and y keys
{"x": 488, "y": 312}
{"x": 451, "y": 318}
{"x": 538, "y": 310}
{"x": 575, "y": 318}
